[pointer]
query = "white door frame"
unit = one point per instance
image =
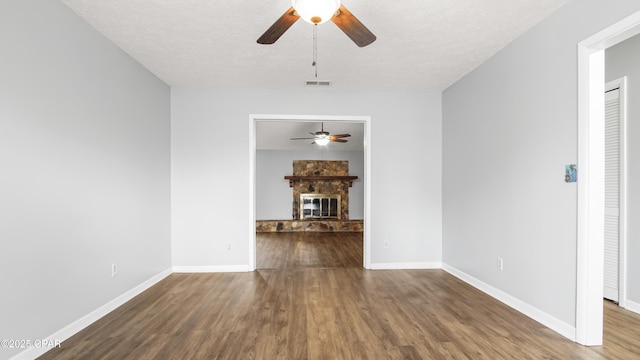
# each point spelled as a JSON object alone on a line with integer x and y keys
{"x": 365, "y": 120}
{"x": 590, "y": 227}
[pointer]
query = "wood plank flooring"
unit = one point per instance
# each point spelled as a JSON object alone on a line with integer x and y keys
{"x": 341, "y": 313}
{"x": 315, "y": 306}
{"x": 308, "y": 250}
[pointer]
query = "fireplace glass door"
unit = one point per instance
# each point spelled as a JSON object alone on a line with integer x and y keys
{"x": 318, "y": 206}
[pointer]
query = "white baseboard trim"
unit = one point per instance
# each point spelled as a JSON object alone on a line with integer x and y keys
{"x": 406, "y": 266}
{"x": 211, "y": 269}
{"x": 632, "y": 306}
{"x": 75, "y": 327}
{"x": 536, "y": 314}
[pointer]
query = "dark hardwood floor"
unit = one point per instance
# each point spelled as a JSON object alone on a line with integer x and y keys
{"x": 309, "y": 250}
{"x": 329, "y": 312}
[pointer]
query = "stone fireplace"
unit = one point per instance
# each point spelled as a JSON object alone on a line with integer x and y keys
{"x": 320, "y": 198}
{"x": 320, "y": 182}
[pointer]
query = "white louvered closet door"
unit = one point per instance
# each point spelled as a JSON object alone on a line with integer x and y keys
{"x": 612, "y": 195}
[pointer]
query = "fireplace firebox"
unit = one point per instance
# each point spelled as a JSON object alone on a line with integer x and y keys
{"x": 320, "y": 206}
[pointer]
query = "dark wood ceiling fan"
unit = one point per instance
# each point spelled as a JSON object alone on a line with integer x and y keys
{"x": 324, "y": 137}
{"x": 343, "y": 18}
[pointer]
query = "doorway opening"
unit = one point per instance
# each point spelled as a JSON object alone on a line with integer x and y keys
{"x": 591, "y": 207}
{"x": 366, "y": 123}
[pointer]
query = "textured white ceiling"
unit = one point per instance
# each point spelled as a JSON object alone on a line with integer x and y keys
{"x": 421, "y": 45}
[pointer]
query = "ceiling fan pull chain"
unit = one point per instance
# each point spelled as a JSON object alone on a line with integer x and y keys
{"x": 315, "y": 49}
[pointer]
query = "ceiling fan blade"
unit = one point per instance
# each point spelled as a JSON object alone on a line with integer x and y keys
{"x": 341, "y": 135}
{"x": 302, "y": 139}
{"x": 279, "y": 27}
{"x": 351, "y": 26}
{"x": 338, "y": 140}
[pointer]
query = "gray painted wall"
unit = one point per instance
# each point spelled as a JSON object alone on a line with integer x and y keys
{"x": 273, "y": 194}
{"x": 624, "y": 59}
{"x": 210, "y": 179}
{"x": 84, "y": 157}
{"x": 84, "y": 148}
{"x": 509, "y": 128}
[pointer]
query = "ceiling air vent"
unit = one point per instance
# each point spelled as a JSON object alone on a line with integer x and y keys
{"x": 315, "y": 83}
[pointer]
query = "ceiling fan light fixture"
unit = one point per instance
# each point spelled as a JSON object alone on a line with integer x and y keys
{"x": 322, "y": 140}
{"x": 316, "y": 11}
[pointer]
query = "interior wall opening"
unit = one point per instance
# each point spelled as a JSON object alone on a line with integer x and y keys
{"x": 271, "y": 239}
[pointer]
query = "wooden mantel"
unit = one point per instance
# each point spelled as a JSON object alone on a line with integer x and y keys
{"x": 293, "y": 178}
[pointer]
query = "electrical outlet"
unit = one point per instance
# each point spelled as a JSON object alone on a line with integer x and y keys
{"x": 114, "y": 269}
{"x": 386, "y": 244}
{"x": 500, "y": 264}
{"x": 228, "y": 247}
